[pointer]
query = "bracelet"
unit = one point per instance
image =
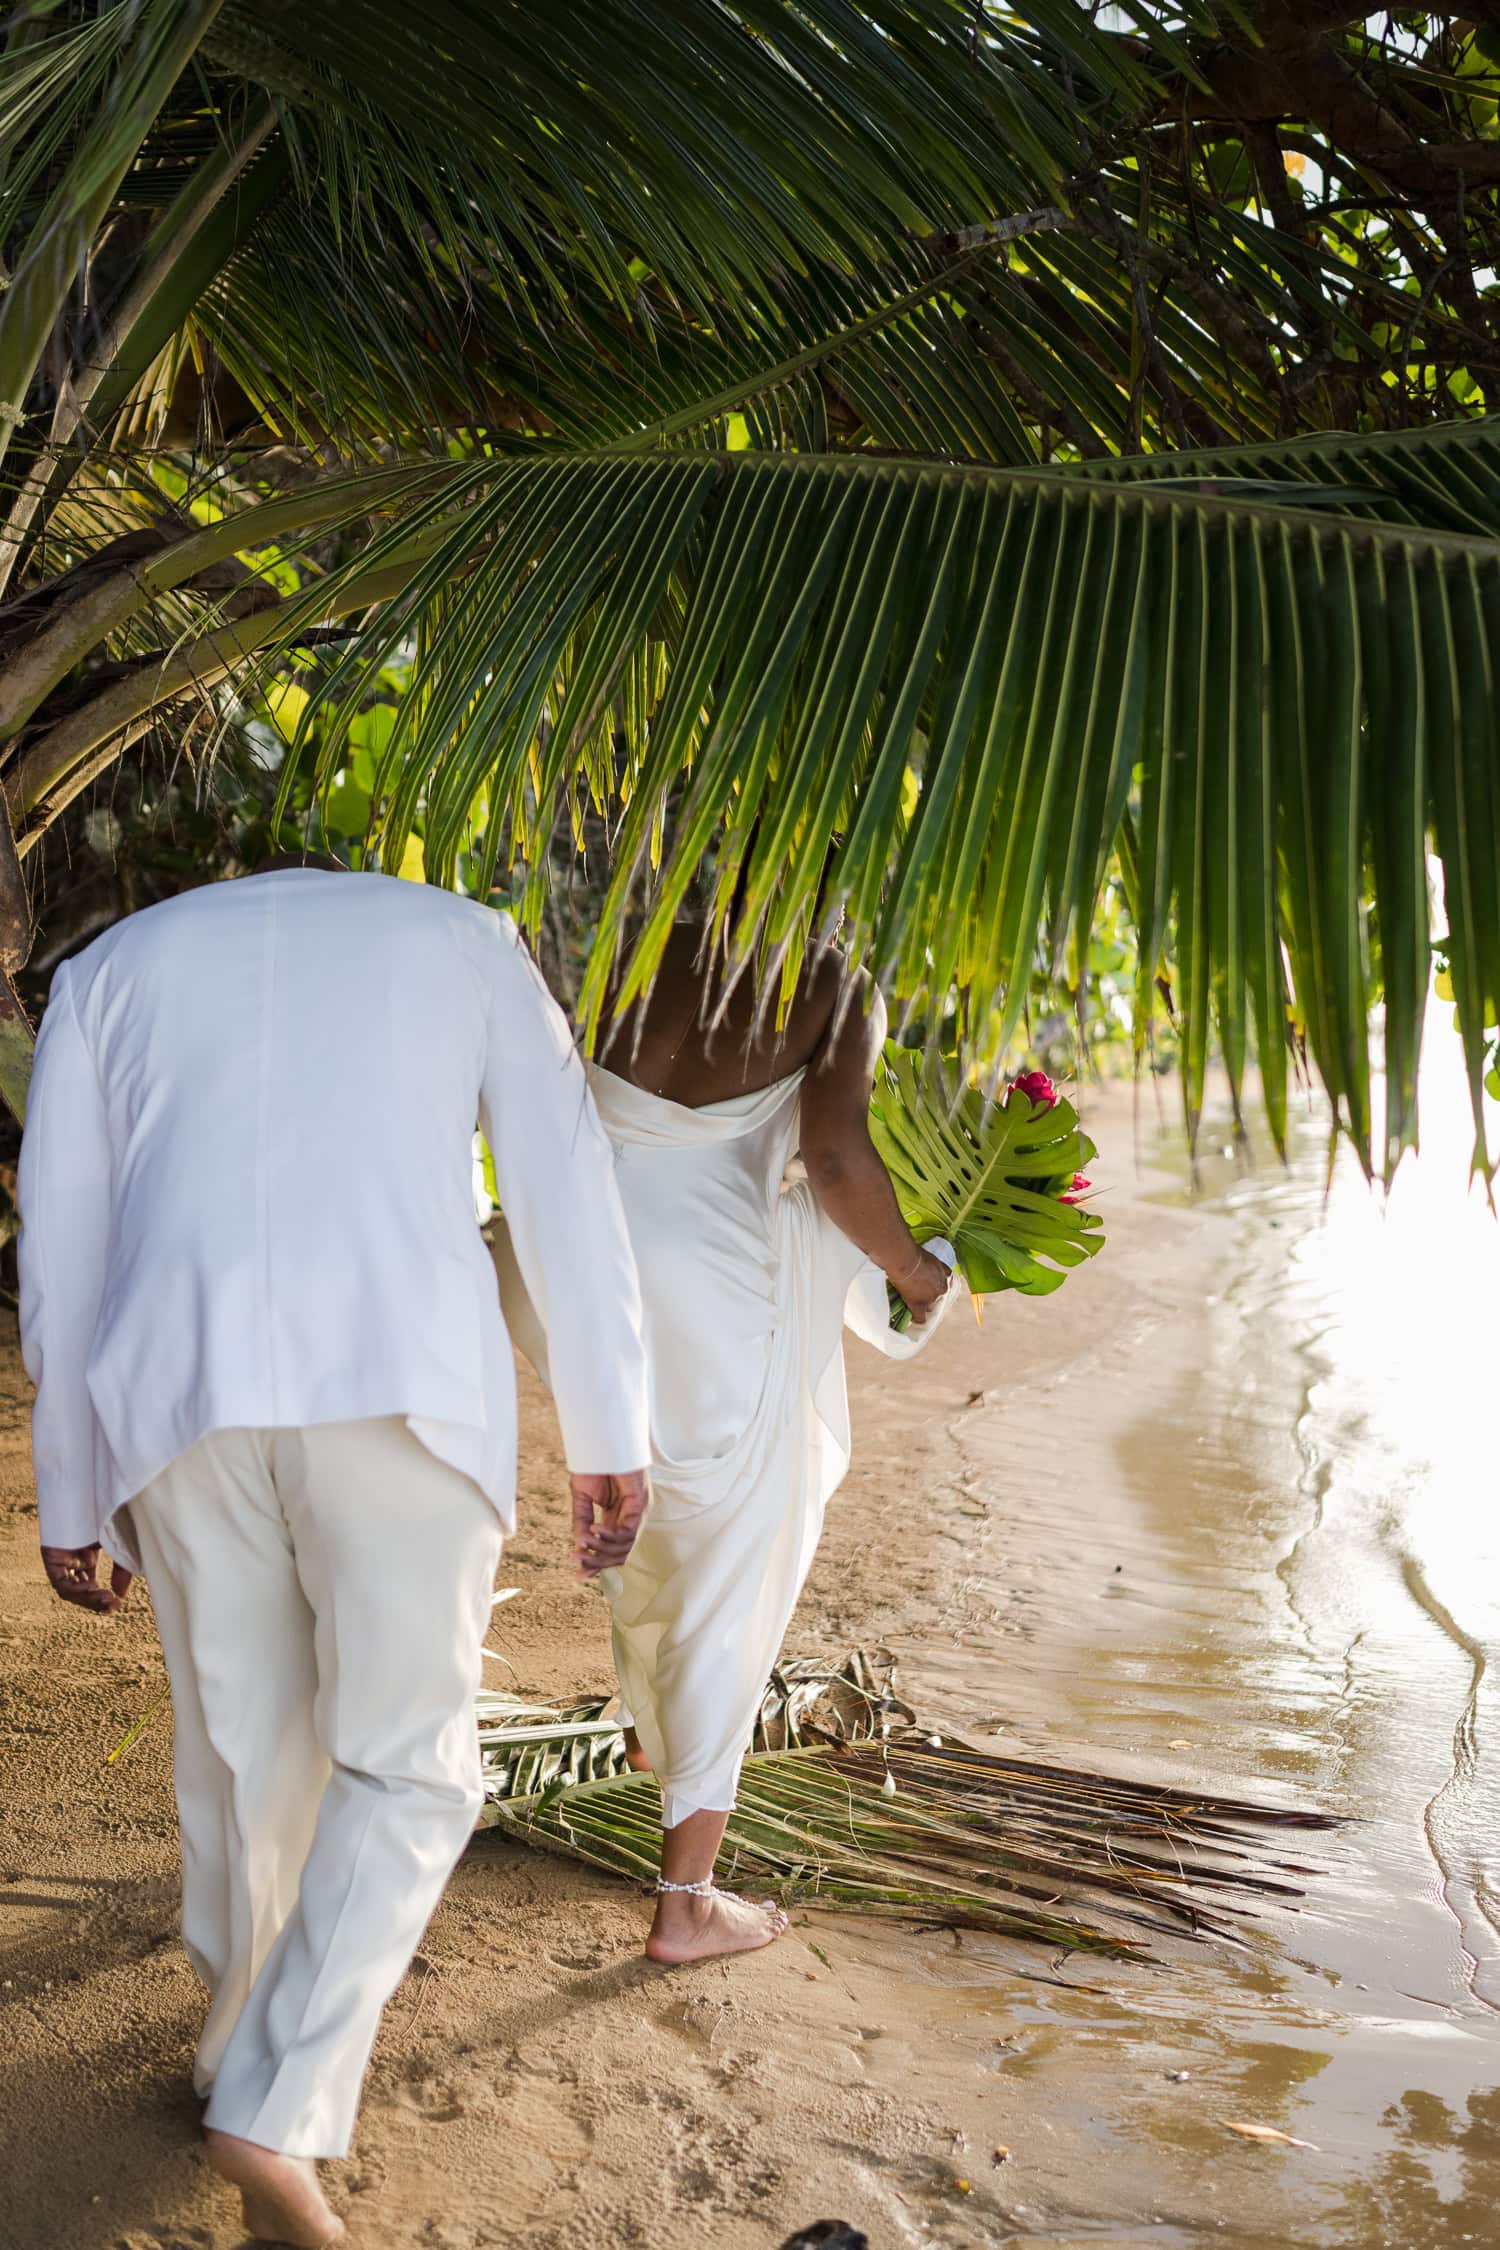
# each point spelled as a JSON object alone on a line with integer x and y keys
{"x": 914, "y": 1268}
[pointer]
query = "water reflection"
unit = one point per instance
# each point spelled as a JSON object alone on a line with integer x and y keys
{"x": 1274, "y": 1558}
{"x": 1397, "y": 2203}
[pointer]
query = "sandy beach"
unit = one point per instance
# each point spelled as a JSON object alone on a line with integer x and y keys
{"x": 1089, "y": 1530}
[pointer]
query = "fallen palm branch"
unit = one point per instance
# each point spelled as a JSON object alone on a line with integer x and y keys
{"x": 526, "y": 1748}
{"x": 918, "y": 1830}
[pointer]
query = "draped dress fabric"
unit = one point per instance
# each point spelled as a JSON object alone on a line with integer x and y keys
{"x": 745, "y": 1285}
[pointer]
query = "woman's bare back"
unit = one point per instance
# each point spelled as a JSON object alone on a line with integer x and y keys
{"x": 665, "y": 1046}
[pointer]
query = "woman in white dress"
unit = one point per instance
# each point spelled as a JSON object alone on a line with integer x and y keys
{"x": 750, "y": 1264}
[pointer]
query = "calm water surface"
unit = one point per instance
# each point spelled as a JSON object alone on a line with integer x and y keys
{"x": 1271, "y": 1560}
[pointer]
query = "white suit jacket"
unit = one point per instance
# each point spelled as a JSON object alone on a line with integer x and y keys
{"x": 246, "y": 1192}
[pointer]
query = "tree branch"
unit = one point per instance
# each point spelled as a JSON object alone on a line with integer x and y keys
{"x": 1296, "y": 73}
{"x": 63, "y": 761}
{"x": 15, "y": 906}
{"x": 78, "y": 626}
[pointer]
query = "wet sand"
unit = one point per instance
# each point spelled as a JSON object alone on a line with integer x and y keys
{"x": 1213, "y": 1513}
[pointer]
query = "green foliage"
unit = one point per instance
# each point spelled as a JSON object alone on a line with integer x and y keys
{"x": 746, "y": 657}
{"x": 1443, "y": 476}
{"x": 1009, "y": 443}
{"x": 987, "y": 1175}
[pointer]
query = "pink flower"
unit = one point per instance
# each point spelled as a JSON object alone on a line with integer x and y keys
{"x": 1081, "y": 1186}
{"x": 1036, "y": 1086}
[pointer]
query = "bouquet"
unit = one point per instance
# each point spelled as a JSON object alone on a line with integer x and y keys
{"x": 1000, "y": 1179}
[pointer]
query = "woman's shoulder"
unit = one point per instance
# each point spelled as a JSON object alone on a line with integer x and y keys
{"x": 834, "y": 988}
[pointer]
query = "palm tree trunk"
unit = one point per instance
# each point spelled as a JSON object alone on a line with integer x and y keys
{"x": 64, "y": 760}
{"x": 74, "y": 629}
{"x": 17, "y": 1042}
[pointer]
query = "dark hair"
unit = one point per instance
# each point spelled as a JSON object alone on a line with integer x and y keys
{"x": 285, "y": 862}
{"x": 742, "y": 877}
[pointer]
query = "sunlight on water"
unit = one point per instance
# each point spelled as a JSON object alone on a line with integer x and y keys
{"x": 1412, "y": 1291}
{"x": 1400, "y": 1300}
{"x": 1264, "y": 1554}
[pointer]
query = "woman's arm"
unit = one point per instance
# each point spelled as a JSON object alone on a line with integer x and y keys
{"x": 845, "y": 1172}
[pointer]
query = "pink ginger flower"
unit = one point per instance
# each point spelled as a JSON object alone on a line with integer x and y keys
{"x": 1036, "y": 1086}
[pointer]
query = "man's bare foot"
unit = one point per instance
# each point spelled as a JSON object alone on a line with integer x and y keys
{"x": 635, "y": 1756}
{"x": 689, "y": 1928}
{"x": 282, "y": 2199}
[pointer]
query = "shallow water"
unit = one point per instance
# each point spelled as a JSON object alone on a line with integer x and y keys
{"x": 1263, "y": 1551}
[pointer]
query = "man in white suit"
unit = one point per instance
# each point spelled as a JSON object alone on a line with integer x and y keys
{"x": 272, "y": 1373}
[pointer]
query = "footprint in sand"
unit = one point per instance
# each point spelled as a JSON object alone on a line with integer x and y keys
{"x": 578, "y": 1958}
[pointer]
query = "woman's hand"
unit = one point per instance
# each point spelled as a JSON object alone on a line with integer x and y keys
{"x": 923, "y": 1285}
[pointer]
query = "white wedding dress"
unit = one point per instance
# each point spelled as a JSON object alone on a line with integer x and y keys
{"x": 746, "y": 1286}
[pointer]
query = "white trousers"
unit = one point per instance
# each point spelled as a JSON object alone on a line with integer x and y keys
{"x": 322, "y": 1597}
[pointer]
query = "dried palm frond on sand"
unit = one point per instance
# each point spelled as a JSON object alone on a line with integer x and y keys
{"x": 844, "y": 1811}
{"x": 526, "y": 1748}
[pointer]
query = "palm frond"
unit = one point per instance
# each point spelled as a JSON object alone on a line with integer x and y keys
{"x": 438, "y": 261}
{"x": 528, "y": 1748}
{"x": 72, "y": 119}
{"x": 223, "y": 207}
{"x": 1443, "y": 476}
{"x": 669, "y": 223}
{"x": 374, "y": 305}
{"x": 381, "y": 301}
{"x": 713, "y": 144}
{"x": 887, "y": 349}
{"x": 951, "y": 1836}
{"x": 1290, "y": 704}
{"x": 974, "y": 351}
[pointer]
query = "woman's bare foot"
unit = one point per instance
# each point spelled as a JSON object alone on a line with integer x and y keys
{"x": 282, "y": 2199}
{"x": 635, "y": 1756}
{"x": 689, "y": 1928}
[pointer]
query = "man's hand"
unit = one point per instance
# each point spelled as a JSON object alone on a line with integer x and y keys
{"x": 924, "y": 1287}
{"x": 607, "y": 1514}
{"x": 73, "y": 1570}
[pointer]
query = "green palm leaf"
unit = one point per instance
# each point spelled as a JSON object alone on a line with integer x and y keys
{"x": 971, "y": 350}
{"x": 1044, "y": 653}
{"x": 1444, "y": 476}
{"x": 786, "y": 200}
{"x": 662, "y": 224}
{"x": 73, "y": 115}
{"x": 715, "y": 143}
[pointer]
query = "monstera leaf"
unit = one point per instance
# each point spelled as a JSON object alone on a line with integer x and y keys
{"x": 988, "y": 1175}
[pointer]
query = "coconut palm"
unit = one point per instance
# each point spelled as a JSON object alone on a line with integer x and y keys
{"x": 907, "y": 432}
